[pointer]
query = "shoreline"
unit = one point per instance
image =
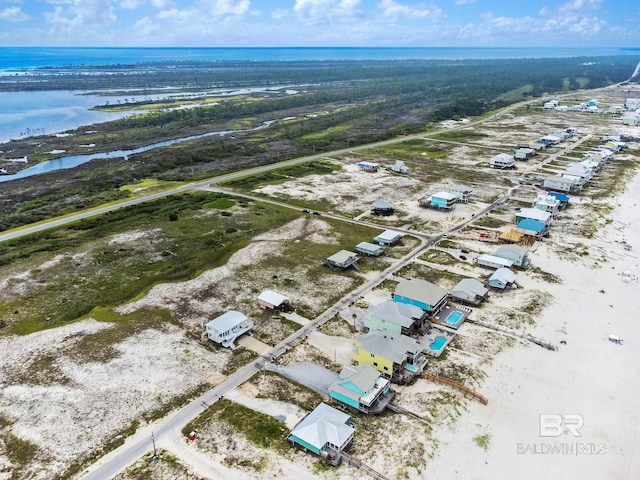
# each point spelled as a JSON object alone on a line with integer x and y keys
{"x": 588, "y": 376}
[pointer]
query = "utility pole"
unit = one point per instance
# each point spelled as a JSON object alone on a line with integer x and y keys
{"x": 155, "y": 455}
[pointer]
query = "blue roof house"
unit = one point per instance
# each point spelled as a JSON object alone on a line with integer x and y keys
{"x": 445, "y": 200}
{"x": 533, "y": 228}
{"x": 422, "y": 294}
{"x": 564, "y": 199}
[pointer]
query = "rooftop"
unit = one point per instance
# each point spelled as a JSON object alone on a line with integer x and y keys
{"x": 227, "y": 321}
{"x": 421, "y": 290}
{"x": 324, "y": 425}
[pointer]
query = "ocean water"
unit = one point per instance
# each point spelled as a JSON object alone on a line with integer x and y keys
{"x": 16, "y": 58}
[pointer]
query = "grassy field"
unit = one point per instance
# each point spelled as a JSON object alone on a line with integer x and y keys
{"x": 260, "y": 429}
{"x": 108, "y": 260}
{"x": 91, "y": 266}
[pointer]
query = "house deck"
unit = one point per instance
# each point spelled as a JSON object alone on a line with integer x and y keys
{"x": 380, "y": 405}
{"x": 443, "y": 317}
{"x": 431, "y": 336}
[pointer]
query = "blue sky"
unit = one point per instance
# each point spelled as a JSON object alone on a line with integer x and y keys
{"x": 320, "y": 23}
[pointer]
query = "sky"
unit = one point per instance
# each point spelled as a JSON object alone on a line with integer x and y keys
{"x": 223, "y": 23}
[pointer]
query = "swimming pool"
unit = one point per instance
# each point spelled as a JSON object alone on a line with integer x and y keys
{"x": 438, "y": 342}
{"x": 454, "y": 317}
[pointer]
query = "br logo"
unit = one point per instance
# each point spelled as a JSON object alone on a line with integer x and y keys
{"x": 555, "y": 425}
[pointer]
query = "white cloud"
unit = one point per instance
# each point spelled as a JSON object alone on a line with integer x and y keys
{"x": 223, "y": 8}
{"x": 391, "y": 8}
{"x": 145, "y": 26}
{"x": 280, "y": 13}
{"x": 162, "y": 4}
{"x": 178, "y": 16}
{"x": 13, "y": 14}
{"x": 82, "y": 13}
{"x": 313, "y": 12}
{"x": 131, "y": 4}
{"x": 579, "y": 6}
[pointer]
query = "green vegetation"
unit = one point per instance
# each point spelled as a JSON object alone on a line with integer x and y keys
{"x": 483, "y": 441}
{"x": 463, "y": 134}
{"x": 338, "y": 327}
{"x": 260, "y": 429}
{"x": 438, "y": 256}
{"x": 444, "y": 278}
{"x": 165, "y": 465}
{"x": 107, "y": 260}
{"x": 490, "y": 221}
{"x": 283, "y": 389}
{"x": 252, "y": 182}
{"x": 350, "y": 103}
{"x": 20, "y": 452}
{"x": 240, "y": 357}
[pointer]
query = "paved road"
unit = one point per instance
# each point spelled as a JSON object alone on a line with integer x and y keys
{"x": 56, "y": 222}
{"x": 169, "y": 427}
{"x": 140, "y": 443}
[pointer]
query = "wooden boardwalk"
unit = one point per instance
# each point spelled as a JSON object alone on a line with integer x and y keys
{"x": 457, "y": 386}
{"x": 497, "y": 328}
{"x": 349, "y": 460}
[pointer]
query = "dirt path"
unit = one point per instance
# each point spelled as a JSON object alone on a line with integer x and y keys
{"x": 254, "y": 345}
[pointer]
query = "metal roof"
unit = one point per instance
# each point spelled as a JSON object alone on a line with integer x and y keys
{"x": 227, "y": 321}
{"x": 534, "y": 213}
{"x": 362, "y": 377}
{"x": 343, "y": 256}
{"x": 389, "y": 235}
{"x": 382, "y": 204}
{"x": 272, "y": 298}
{"x": 421, "y": 290}
{"x": 560, "y": 196}
{"x": 324, "y": 425}
{"x": 445, "y": 195}
{"x": 368, "y": 164}
{"x": 369, "y": 247}
{"x": 493, "y": 259}
{"x": 471, "y": 286}
{"x": 394, "y": 348}
{"x": 503, "y": 275}
{"x": 531, "y": 225}
{"x": 398, "y": 313}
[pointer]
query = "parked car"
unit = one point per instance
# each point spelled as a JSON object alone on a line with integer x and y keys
{"x": 464, "y": 250}
{"x": 463, "y": 257}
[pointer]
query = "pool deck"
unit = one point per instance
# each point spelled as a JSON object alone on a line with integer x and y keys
{"x": 430, "y": 335}
{"x": 447, "y": 310}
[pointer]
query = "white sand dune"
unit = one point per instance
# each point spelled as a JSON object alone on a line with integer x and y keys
{"x": 588, "y": 376}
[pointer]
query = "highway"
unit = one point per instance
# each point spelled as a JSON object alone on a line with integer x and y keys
{"x": 57, "y": 222}
{"x": 140, "y": 443}
{"x": 168, "y": 427}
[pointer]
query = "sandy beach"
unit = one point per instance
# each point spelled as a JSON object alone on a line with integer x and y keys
{"x": 588, "y": 376}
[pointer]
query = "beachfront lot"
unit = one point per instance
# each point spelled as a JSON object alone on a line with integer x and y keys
{"x": 588, "y": 375}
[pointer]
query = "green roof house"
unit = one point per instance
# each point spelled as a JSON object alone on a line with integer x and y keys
{"x": 396, "y": 318}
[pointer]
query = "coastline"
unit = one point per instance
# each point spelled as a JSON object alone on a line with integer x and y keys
{"x": 588, "y": 376}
